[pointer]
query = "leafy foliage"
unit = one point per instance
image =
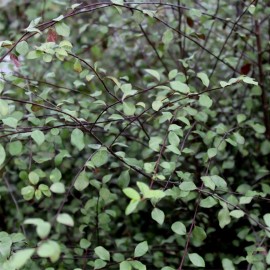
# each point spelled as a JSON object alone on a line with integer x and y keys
{"x": 134, "y": 135}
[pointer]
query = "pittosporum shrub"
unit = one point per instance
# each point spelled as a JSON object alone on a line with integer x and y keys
{"x": 134, "y": 135}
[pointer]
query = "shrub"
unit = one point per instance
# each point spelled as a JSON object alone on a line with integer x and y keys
{"x": 134, "y": 135}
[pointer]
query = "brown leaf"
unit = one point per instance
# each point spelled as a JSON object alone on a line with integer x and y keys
{"x": 15, "y": 60}
{"x": 52, "y": 35}
{"x": 245, "y": 69}
{"x": 190, "y": 22}
{"x": 36, "y": 108}
{"x": 198, "y": 35}
{"x": 201, "y": 36}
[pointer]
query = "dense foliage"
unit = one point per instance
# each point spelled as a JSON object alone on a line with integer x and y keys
{"x": 134, "y": 134}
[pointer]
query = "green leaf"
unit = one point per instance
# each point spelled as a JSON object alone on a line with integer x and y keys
{"x": 267, "y": 258}
{"x": 4, "y": 109}
{"x": 5, "y": 245}
{"x": 33, "y": 23}
{"x": 149, "y": 13}
{"x": 184, "y": 120}
{"x": 156, "y": 105}
{"x": 195, "y": 13}
{"x": 180, "y": 87}
{"x": 179, "y": 228}
{"x": 118, "y": 2}
{"x": 219, "y": 182}
{"x": 208, "y": 182}
{"x": 65, "y": 219}
{"x": 129, "y": 108}
{"x": 158, "y": 215}
{"x": 224, "y": 217}
{"x": 38, "y": 194}
{"x": 43, "y": 227}
{"x": 84, "y": 243}
{"x": 249, "y": 80}
{"x": 2, "y": 85}
{"x": 20, "y": 258}
{"x": 102, "y": 253}
{"x": 66, "y": 44}
{"x": 153, "y": 73}
{"x": 62, "y": 29}
{"x": 77, "y": 66}
{"x": 49, "y": 249}
{"x": 17, "y": 237}
{"x": 144, "y": 188}
{"x": 187, "y": 186}
{"x": 174, "y": 149}
{"x": 58, "y": 188}
{"x": 33, "y": 178}
{"x": 251, "y": 9}
{"x": 89, "y": 77}
{"x": 205, "y": 101}
{"x": 212, "y": 152}
{"x": 266, "y": 219}
{"x": 141, "y": 249}
{"x": 59, "y": 18}
{"x": 77, "y": 139}
{"x": 155, "y": 143}
{"x": 14, "y": 148}
{"x": 100, "y": 157}
{"x": 227, "y": 264}
{"x": 196, "y": 259}
{"x": 10, "y": 121}
{"x": 2, "y": 155}
{"x": 173, "y": 138}
{"x": 131, "y": 207}
{"x": 239, "y": 138}
{"x": 125, "y": 265}
{"x": 75, "y": 5}
{"x": 137, "y": 265}
{"x": 173, "y": 73}
{"x": 55, "y": 175}
{"x": 27, "y": 192}
{"x": 204, "y": 78}
{"x": 99, "y": 264}
{"x": 82, "y": 181}
{"x": 22, "y": 48}
{"x": 208, "y": 202}
{"x": 259, "y": 128}
{"x": 245, "y": 200}
{"x": 124, "y": 179}
{"x": 240, "y": 118}
{"x": 118, "y": 257}
{"x": 167, "y": 37}
{"x": 45, "y": 190}
{"x": 223, "y": 84}
{"x": 132, "y": 194}
{"x": 198, "y": 234}
{"x": 237, "y": 213}
{"x": 33, "y": 55}
{"x": 126, "y": 89}
{"x": 154, "y": 194}
{"x": 38, "y": 137}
